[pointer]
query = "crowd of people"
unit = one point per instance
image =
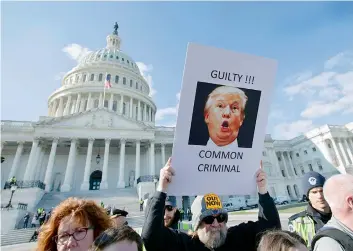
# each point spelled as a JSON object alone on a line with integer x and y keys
{"x": 326, "y": 224}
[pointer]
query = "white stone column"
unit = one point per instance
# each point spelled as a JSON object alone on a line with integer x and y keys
{"x": 82, "y": 105}
{"x": 3, "y": 143}
{"x": 350, "y": 154}
{"x": 131, "y": 103}
{"x": 291, "y": 163}
{"x": 16, "y": 160}
{"x": 78, "y": 102}
{"x": 111, "y": 100}
{"x": 285, "y": 164}
{"x": 152, "y": 167}
{"x": 60, "y": 110}
{"x": 54, "y": 108}
{"x": 85, "y": 183}
{"x": 163, "y": 153}
{"x": 121, "y": 104}
{"x": 274, "y": 161}
{"x": 31, "y": 159}
{"x": 137, "y": 167}
{"x": 337, "y": 153}
{"x": 104, "y": 182}
{"x": 101, "y": 101}
{"x": 67, "y": 185}
{"x": 121, "y": 181}
{"x": 68, "y": 106}
{"x": 50, "y": 166}
{"x": 89, "y": 102}
{"x": 343, "y": 152}
{"x": 139, "y": 111}
{"x": 145, "y": 115}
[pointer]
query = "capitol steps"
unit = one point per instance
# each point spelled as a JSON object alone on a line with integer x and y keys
{"x": 17, "y": 236}
{"x": 119, "y": 198}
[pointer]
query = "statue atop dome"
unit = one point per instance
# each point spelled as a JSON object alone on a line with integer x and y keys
{"x": 116, "y": 27}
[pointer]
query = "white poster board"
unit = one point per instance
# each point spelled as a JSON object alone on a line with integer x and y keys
{"x": 221, "y": 123}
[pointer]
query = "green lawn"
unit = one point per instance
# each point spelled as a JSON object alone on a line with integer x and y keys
{"x": 294, "y": 210}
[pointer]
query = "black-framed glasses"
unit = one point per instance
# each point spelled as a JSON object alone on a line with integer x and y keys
{"x": 78, "y": 235}
{"x": 210, "y": 219}
{"x": 169, "y": 208}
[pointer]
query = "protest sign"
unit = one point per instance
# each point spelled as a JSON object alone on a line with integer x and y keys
{"x": 221, "y": 121}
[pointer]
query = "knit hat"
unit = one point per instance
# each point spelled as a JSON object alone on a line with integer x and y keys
{"x": 312, "y": 180}
{"x": 207, "y": 205}
{"x": 170, "y": 201}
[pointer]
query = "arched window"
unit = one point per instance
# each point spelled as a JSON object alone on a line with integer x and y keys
{"x": 100, "y": 78}
{"x": 136, "y": 113}
{"x": 111, "y": 56}
{"x": 106, "y": 103}
{"x": 124, "y": 80}
{"x": 115, "y": 104}
{"x": 84, "y": 78}
{"x": 137, "y": 85}
{"x": 130, "y": 82}
{"x": 124, "y": 108}
{"x": 92, "y": 77}
{"x": 116, "y": 79}
{"x": 110, "y": 77}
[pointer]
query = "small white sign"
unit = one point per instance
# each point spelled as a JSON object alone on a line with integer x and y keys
{"x": 221, "y": 122}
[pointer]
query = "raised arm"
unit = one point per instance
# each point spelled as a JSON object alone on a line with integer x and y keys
{"x": 268, "y": 217}
{"x": 154, "y": 234}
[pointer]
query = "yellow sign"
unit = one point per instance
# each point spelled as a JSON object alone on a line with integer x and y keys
{"x": 212, "y": 201}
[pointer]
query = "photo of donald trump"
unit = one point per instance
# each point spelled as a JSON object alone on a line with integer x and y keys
{"x": 224, "y": 115}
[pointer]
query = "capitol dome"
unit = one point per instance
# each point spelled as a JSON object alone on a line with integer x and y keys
{"x": 82, "y": 88}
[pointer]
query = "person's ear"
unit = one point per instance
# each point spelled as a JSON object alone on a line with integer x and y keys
{"x": 350, "y": 201}
{"x": 206, "y": 118}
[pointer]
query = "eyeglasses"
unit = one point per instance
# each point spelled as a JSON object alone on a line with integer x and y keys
{"x": 210, "y": 219}
{"x": 78, "y": 235}
{"x": 169, "y": 208}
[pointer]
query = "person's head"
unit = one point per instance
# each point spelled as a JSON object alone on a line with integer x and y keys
{"x": 122, "y": 238}
{"x": 338, "y": 191}
{"x": 119, "y": 217}
{"x": 73, "y": 225}
{"x": 224, "y": 114}
{"x": 278, "y": 240}
{"x": 313, "y": 183}
{"x": 209, "y": 220}
{"x": 171, "y": 211}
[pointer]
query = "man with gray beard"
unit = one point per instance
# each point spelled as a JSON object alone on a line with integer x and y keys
{"x": 209, "y": 221}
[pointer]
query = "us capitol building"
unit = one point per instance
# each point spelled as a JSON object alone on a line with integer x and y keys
{"x": 91, "y": 141}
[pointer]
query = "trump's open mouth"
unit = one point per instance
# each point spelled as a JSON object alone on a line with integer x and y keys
{"x": 225, "y": 126}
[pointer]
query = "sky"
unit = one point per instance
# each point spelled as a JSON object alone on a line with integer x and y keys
{"x": 312, "y": 42}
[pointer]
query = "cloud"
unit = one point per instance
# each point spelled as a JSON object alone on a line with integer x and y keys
{"x": 307, "y": 87}
{"x": 341, "y": 60}
{"x": 145, "y": 72}
{"x": 169, "y": 111}
{"x": 335, "y": 98}
{"x": 76, "y": 51}
{"x": 59, "y": 76}
{"x": 293, "y": 129}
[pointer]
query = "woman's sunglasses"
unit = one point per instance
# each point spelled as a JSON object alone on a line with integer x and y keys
{"x": 210, "y": 219}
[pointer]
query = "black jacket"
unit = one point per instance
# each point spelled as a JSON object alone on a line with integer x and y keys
{"x": 243, "y": 237}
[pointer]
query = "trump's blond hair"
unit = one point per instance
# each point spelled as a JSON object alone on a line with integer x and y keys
{"x": 226, "y": 90}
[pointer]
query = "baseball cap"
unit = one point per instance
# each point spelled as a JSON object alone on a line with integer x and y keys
{"x": 206, "y": 205}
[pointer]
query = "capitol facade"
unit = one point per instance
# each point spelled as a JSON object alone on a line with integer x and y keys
{"x": 92, "y": 140}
